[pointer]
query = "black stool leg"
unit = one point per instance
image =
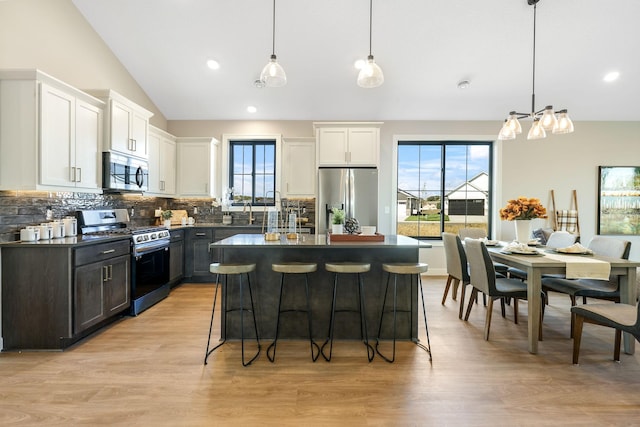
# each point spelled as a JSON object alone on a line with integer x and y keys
{"x": 329, "y": 340}
{"x": 363, "y": 320}
{"x": 215, "y": 298}
{"x": 426, "y": 348}
{"x": 312, "y": 343}
{"x": 255, "y": 324}
{"x": 272, "y": 355}
{"x": 395, "y": 300}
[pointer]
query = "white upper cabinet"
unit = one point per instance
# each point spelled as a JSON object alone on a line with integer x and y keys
{"x": 126, "y": 126}
{"x": 298, "y": 167}
{"x": 196, "y": 165}
{"x": 162, "y": 163}
{"x": 348, "y": 143}
{"x": 50, "y": 134}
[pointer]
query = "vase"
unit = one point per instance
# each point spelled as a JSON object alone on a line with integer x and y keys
{"x": 336, "y": 228}
{"x": 523, "y": 230}
{"x": 167, "y": 223}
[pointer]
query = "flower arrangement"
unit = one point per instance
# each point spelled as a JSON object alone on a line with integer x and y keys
{"x": 166, "y": 214}
{"x": 523, "y": 208}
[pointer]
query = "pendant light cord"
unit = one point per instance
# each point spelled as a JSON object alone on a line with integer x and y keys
{"x": 533, "y": 84}
{"x": 273, "y": 35}
{"x": 370, "y": 23}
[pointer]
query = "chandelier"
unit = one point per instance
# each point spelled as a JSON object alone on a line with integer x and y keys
{"x": 544, "y": 120}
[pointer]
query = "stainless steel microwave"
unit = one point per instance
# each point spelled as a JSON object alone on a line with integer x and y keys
{"x": 124, "y": 173}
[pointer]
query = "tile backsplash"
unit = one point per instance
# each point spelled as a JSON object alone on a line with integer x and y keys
{"x": 19, "y": 209}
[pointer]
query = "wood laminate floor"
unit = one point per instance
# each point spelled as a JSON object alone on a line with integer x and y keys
{"x": 148, "y": 371}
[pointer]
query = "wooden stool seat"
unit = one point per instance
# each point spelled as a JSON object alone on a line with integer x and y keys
{"x": 231, "y": 268}
{"x": 347, "y": 267}
{"x": 406, "y": 268}
{"x": 294, "y": 267}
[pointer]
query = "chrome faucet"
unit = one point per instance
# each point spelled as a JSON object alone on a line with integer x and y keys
{"x": 244, "y": 209}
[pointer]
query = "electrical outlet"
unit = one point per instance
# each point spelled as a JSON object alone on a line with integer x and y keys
{"x": 195, "y": 210}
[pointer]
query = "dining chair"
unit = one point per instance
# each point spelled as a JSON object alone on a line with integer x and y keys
{"x": 457, "y": 269}
{"x": 483, "y": 279}
{"x": 480, "y": 233}
{"x": 621, "y": 317}
{"x": 557, "y": 239}
{"x": 592, "y": 288}
{"x": 472, "y": 233}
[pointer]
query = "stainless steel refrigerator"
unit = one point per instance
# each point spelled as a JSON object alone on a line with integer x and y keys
{"x": 355, "y": 190}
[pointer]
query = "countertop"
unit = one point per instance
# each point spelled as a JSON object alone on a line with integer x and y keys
{"x": 79, "y": 240}
{"x": 316, "y": 240}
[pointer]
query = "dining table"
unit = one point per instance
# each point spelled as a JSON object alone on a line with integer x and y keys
{"x": 538, "y": 264}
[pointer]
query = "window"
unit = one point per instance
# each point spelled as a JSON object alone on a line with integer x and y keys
{"x": 252, "y": 171}
{"x": 443, "y": 186}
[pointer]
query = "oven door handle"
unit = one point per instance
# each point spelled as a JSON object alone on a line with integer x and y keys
{"x": 148, "y": 248}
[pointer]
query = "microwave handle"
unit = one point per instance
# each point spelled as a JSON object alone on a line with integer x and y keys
{"x": 139, "y": 177}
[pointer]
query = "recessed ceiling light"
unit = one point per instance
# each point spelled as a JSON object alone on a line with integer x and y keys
{"x": 213, "y": 64}
{"x": 251, "y": 109}
{"x": 359, "y": 64}
{"x": 613, "y": 75}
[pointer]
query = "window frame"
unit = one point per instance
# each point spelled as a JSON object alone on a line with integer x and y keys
{"x": 442, "y": 142}
{"x": 227, "y": 157}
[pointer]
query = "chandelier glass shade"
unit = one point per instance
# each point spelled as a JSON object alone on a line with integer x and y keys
{"x": 273, "y": 74}
{"x": 370, "y": 74}
{"x": 545, "y": 120}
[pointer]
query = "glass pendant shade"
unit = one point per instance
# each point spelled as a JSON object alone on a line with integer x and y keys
{"x": 370, "y": 74}
{"x": 563, "y": 124}
{"x": 514, "y": 123}
{"x": 273, "y": 74}
{"x": 506, "y": 132}
{"x": 536, "y": 131}
{"x": 548, "y": 120}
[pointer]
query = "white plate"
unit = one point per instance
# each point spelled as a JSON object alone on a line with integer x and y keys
{"x": 519, "y": 252}
{"x": 565, "y": 252}
{"x": 491, "y": 243}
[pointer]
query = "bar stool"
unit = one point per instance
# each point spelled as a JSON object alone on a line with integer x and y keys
{"x": 354, "y": 268}
{"x": 395, "y": 269}
{"x": 239, "y": 270}
{"x": 294, "y": 268}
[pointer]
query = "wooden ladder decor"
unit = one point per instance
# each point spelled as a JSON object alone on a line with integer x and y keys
{"x": 566, "y": 219}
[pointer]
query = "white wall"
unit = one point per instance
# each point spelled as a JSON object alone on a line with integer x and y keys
{"x": 53, "y": 36}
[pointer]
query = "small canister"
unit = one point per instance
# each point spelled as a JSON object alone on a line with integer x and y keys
{"x": 70, "y": 226}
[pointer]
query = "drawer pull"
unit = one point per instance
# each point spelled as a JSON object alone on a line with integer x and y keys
{"x": 108, "y": 251}
{"x": 201, "y": 234}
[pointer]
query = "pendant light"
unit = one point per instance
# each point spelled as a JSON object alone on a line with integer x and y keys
{"x": 273, "y": 74}
{"x": 544, "y": 120}
{"x": 370, "y": 74}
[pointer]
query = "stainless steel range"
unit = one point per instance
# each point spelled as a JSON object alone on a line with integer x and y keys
{"x": 149, "y": 253}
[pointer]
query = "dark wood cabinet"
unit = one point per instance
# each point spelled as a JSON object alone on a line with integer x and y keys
{"x": 198, "y": 257}
{"x": 176, "y": 257}
{"x": 53, "y": 295}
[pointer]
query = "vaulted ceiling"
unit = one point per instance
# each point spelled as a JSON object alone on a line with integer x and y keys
{"x": 425, "y": 48}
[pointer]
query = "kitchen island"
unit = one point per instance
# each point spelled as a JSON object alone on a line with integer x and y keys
{"x": 253, "y": 248}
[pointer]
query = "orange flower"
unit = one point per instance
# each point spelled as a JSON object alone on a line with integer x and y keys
{"x": 523, "y": 208}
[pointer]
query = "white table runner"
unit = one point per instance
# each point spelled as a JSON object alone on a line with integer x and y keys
{"x": 583, "y": 267}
